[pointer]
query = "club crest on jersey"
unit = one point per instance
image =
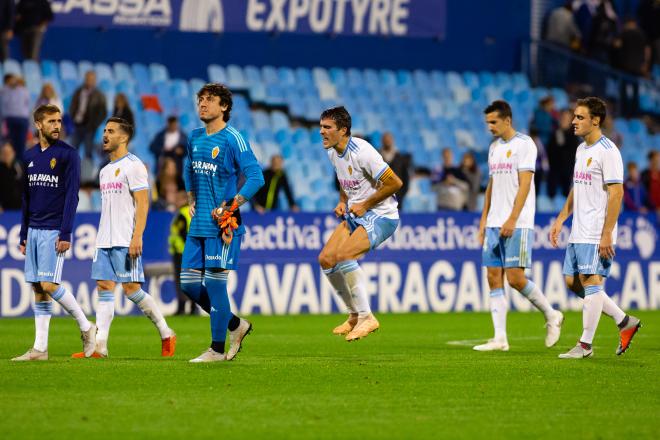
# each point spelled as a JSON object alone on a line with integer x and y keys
{"x": 350, "y": 170}
{"x": 215, "y": 152}
{"x": 588, "y": 161}
{"x": 508, "y": 154}
{"x": 53, "y": 162}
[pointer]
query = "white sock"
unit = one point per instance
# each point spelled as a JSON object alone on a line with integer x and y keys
{"x": 611, "y": 309}
{"x": 338, "y": 282}
{"x": 355, "y": 278}
{"x": 532, "y": 292}
{"x": 69, "y": 303}
{"x": 498, "y": 310}
{"x": 591, "y": 310}
{"x": 43, "y": 310}
{"x": 105, "y": 311}
{"x": 148, "y": 306}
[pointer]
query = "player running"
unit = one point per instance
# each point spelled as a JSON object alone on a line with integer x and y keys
{"x": 216, "y": 153}
{"x": 369, "y": 209}
{"x": 124, "y": 206}
{"x": 595, "y": 202}
{"x": 50, "y": 199}
{"x": 506, "y": 230}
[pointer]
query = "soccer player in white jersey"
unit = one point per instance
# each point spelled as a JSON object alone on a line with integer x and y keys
{"x": 595, "y": 202}
{"x": 369, "y": 208}
{"x": 506, "y": 230}
{"x": 124, "y": 206}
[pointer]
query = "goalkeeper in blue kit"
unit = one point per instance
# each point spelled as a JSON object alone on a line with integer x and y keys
{"x": 216, "y": 154}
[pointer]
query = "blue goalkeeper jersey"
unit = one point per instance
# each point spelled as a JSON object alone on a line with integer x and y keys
{"x": 211, "y": 173}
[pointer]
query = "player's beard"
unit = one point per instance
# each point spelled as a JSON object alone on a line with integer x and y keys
{"x": 50, "y": 140}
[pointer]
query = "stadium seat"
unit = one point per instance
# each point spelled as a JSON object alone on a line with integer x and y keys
{"x": 158, "y": 72}
{"x": 84, "y": 66}
{"x": 217, "y": 74}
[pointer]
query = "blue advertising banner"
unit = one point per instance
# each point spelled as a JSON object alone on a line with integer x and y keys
{"x": 401, "y": 18}
{"x": 431, "y": 264}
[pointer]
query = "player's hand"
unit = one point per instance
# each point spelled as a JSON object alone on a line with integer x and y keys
{"x": 62, "y": 246}
{"x": 555, "y": 230}
{"x": 358, "y": 209}
{"x": 191, "y": 208}
{"x": 508, "y": 227}
{"x": 21, "y": 247}
{"x": 340, "y": 209}
{"x": 135, "y": 248}
{"x": 606, "y": 247}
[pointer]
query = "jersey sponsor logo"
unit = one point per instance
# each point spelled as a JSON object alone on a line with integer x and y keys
{"x": 117, "y": 172}
{"x": 43, "y": 180}
{"x": 582, "y": 177}
{"x": 349, "y": 184}
{"x": 53, "y": 162}
{"x": 214, "y": 257}
{"x": 202, "y": 16}
{"x": 199, "y": 166}
{"x": 111, "y": 185}
{"x": 501, "y": 167}
{"x": 215, "y": 152}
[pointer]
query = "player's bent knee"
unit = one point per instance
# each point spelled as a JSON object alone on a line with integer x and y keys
{"x": 49, "y": 287}
{"x": 105, "y": 285}
{"x": 130, "y": 288}
{"x": 326, "y": 261}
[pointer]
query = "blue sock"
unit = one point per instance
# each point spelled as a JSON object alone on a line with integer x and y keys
{"x": 216, "y": 284}
{"x": 192, "y": 285}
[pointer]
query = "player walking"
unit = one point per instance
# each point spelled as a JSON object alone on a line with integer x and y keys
{"x": 595, "y": 202}
{"x": 506, "y": 230}
{"x": 118, "y": 258}
{"x": 217, "y": 153}
{"x": 369, "y": 209}
{"x": 50, "y": 199}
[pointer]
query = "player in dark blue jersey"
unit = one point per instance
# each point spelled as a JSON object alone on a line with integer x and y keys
{"x": 216, "y": 154}
{"x": 50, "y": 199}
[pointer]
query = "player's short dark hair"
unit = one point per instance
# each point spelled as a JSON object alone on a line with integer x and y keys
{"x": 341, "y": 117}
{"x": 596, "y": 107}
{"x": 124, "y": 126}
{"x": 502, "y": 108}
{"x": 43, "y": 110}
{"x": 222, "y": 92}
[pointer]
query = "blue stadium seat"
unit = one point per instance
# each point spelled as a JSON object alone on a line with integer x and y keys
{"x": 84, "y": 66}
{"x": 68, "y": 70}
{"x": 235, "y": 77}
{"x": 122, "y": 72}
{"x": 158, "y": 72}
{"x": 217, "y": 74}
{"x": 269, "y": 75}
{"x": 252, "y": 75}
{"x": 12, "y": 66}
{"x": 49, "y": 70}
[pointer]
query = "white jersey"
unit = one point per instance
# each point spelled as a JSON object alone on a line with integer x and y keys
{"x": 118, "y": 180}
{"x": 505, "y": 160}
{"x": 359, "y": 170}
{"x": 595, "y": 167}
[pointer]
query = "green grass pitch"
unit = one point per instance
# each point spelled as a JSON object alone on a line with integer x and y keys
{"x": 416, "y": 378}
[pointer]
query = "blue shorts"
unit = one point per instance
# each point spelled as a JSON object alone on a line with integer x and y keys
{"x": 114, "y": 264}
{"x": 514, "y": 251}
{"x": 378, "y": 228}
{"x": 42, "y": 262}
{"x": 584, "y": 258}
{"x": 211, "y": 253}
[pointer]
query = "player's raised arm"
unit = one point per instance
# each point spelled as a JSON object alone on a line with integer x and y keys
{"x": 71, "y": 186}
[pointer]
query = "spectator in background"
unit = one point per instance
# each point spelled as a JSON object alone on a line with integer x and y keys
{"x": 544, "y": 121}
{"x": 561, "y": 155}
{"x": 169, "y": 142}
{"x": 11, "y": 179}
{"x": 635, "y": 198}
{"x": 88, "y": 110}
{"x": 267, "y": 198}
{"x": 451, "y": 185}
{"x": 177, "y": 240}
{"x": 648, "y": 15}
{"x": 542, "y": 165}
{"x": 399, "y": 162}
{"x": 604, "y": 30}
{"x": 651, "y": 180}
{"x": 32, "y": 18}
{"x": 48, "y": 96}
{"x": 632, "y": 51}
{"x": 15, "y": 111}
{"x": 472, "y": 173}
{"x": 7, "y": 8}
{"x": 167, "y": 197}
{"x": 167, "y": 174}
{"x": 122, "y": 109}
{"x": 561, "y": 27}
{"x": 89, "y": 197}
